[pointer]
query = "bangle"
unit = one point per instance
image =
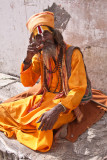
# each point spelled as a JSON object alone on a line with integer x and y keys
{"x": 63, "y": 107}
{"x": 24, "y": 62}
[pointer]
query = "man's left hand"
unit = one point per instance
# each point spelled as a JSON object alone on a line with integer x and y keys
{"x": 49, "y": 118}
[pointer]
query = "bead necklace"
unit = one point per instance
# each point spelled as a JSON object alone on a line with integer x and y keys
{"x": 58, "y": 66}
{"x": 55, "y": 69}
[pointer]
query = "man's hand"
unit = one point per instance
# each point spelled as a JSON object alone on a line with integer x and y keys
{"x": 31, "y": 51}
{"x": 49, "y": 118}
{"x": 33, "y": 48}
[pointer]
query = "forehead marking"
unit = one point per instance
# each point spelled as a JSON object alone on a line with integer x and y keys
{"x": 40, "y": 30}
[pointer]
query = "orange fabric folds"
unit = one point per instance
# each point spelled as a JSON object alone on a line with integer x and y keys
{"x": 43, "y": 18}
{"x": 15, "y": 120}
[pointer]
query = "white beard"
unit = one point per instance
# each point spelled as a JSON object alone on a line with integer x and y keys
{"x": 48, "y": 52}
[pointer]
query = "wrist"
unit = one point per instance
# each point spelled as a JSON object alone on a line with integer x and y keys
{"x": 59, "y": 108}
{"x": 63, "y": 107}
{"x": 27, "y": 61}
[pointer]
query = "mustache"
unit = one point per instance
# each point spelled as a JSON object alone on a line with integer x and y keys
{"x": 48, "y": 42}
{"x": 49, "y": 49}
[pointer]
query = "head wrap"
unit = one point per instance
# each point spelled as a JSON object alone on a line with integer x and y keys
{"x": 43, "y": 18}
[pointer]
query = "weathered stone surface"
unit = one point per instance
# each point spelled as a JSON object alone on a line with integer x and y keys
{"x": 97, "y": 74}
{"x": 12, "y": 90}
{"x": 6, "y": 79}
{"x": 10, "y": 86}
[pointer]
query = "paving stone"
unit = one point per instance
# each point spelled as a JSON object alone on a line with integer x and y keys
{"x": 11, "y": 90}
{"x": 6, "y": 76}
{"x": 7, "y": 79}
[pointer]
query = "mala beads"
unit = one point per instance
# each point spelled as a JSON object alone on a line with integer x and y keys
{"x": 58, "y": 66}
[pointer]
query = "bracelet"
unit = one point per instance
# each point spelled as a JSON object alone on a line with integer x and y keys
{"x": 24, "y": 62}
{"x": 63, "y": 107}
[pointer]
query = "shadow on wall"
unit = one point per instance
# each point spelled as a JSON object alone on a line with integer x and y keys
{"x": 62, "y": 17}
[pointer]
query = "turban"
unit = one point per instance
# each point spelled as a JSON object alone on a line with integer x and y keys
{"x": 43, "y": 18}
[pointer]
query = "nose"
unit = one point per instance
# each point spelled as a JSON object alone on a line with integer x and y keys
{"x": 43, "y": 39}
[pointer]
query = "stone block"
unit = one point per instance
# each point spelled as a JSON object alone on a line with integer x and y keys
{"x": 6, "y": 79}
{"x": 12, "y": 90}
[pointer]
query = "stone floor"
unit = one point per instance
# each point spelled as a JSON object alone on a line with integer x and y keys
{"x": 92, "y": 145}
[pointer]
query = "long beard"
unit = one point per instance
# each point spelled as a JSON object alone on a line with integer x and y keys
{"x": 49, "y": 51}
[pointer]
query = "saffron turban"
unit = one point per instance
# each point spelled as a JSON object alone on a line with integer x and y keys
{"x": 43, "y": 18}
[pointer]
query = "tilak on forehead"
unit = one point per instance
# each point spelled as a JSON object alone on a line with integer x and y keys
{"x": 39, "y": 22}
{"x": 40, "y": 30}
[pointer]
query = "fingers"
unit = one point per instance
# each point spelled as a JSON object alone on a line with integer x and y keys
{"x": 39, "y": 120}
{"x": 41, "y": 125}
{"x": 30, "y": 39}
{"x": 51, "y": 125}
{"x": 40, "y": 47}
{"x": 48, "y": 120}
{"x": 46, "y": 124}
{"x": 32, "y": 46}
{"x": 32, "y": 50}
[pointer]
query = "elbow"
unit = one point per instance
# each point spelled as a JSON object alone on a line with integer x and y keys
{"x": 27, "y": 83}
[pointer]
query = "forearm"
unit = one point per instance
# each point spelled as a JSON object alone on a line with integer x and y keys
{"x": 27, "y": 63}
{"x": 73, "y": 99}
{"x": 77, "y": 82}
{"x": 28, "y": 77}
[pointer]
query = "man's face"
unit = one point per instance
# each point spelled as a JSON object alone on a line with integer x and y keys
{"x": 49, "y": 47}
{"x": 43, "y": 38}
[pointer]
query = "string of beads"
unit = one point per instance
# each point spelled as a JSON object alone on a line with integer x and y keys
{"x": 58, "y": 66}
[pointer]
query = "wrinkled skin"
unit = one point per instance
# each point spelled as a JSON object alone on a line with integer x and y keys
{"x": 49, "y": 118}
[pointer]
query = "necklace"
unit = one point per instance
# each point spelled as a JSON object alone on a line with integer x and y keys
{"x": 55, "y": 68}
{"x": 58, "y": 66}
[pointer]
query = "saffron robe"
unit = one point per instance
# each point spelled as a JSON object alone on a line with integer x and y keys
{"x": 15, "y": 119}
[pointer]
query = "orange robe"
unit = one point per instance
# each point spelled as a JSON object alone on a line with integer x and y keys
{"x": 15, "y": 119}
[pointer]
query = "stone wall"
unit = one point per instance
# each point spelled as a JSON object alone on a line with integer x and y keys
{"x": 83, "y": 23}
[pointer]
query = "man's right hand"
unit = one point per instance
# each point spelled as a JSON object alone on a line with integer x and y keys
{"x": 33, "y": 49}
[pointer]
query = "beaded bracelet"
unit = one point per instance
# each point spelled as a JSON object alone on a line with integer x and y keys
{"x": 63, "y": 107}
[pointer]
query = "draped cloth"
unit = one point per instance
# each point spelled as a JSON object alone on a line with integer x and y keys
{"x": 92, "y": 112}
{"x": 15, "y": 120}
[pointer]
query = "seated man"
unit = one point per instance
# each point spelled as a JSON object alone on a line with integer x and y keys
{"x": 64, "y": 83}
